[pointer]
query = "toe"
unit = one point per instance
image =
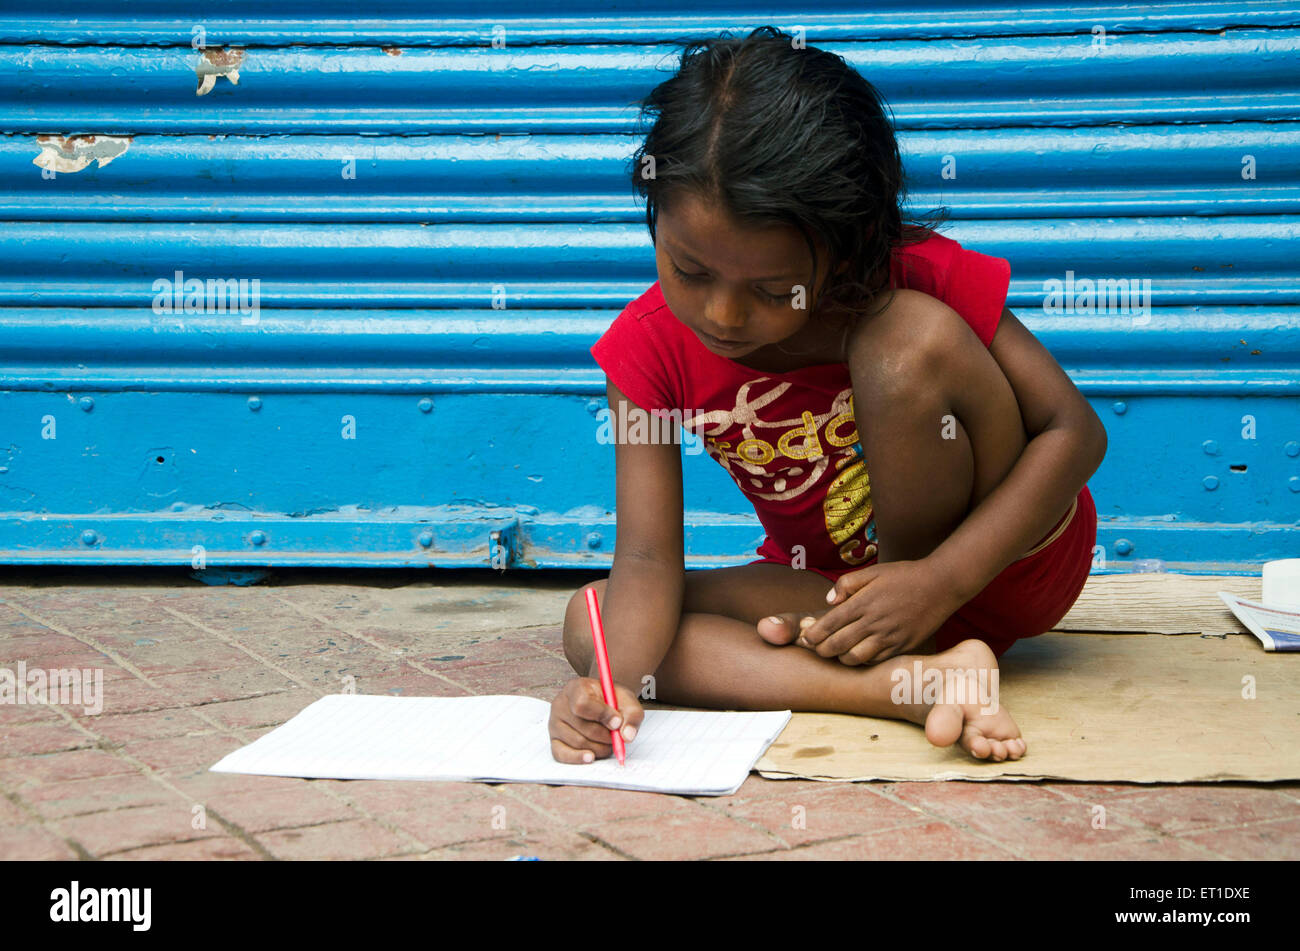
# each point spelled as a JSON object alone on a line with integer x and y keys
{"x": 976, "y": 743}
{"x": 778, "y": 629}
{"x": 943, "y": 724}
{"x": 999, "y": 750}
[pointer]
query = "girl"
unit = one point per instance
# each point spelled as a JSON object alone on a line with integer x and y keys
{"x": 898, "y": 431}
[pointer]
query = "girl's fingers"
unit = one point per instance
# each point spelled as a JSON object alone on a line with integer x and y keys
{"x": 844, "y": 639}
{"x": 590, "y": 706}
{"x": 591, "y": 731}
{"x": 865, "y": 651}
{"x": 851, "y": 583}
{"x": 561, "y": 752}
{"x": 579, "y": 739}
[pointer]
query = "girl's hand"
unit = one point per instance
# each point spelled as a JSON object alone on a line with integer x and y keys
{"x": 880, "y": 611}
{"x": 581, "y": 720}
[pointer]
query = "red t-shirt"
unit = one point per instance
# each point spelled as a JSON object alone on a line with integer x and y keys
{"x": 789, "y": 439}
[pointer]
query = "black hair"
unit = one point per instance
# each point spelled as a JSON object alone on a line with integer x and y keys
{"x": 778, "y": 132}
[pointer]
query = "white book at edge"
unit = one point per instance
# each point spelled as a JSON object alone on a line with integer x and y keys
{"x": 503, "y": 739}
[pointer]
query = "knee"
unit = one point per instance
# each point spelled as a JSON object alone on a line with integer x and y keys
{"x": 577, "y": 628}
{"x": 897, "y": 356}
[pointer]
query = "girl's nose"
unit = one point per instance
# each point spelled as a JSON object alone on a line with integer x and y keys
{"x": 726, "y": 314}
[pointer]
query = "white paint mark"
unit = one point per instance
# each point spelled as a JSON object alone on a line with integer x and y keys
{"x": 74, "y": 152}
{"x": 217, "y": 62}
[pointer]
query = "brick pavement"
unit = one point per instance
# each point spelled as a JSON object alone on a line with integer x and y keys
{"x": 192, "y": 672}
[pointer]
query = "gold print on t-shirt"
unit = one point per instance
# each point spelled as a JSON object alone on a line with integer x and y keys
{"x": 776, "y": 459}
{"x": 783, "y": 459}
{"x": 847, "y": 507}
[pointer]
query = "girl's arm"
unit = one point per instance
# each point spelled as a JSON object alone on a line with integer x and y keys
{"x": 643, "y": 598}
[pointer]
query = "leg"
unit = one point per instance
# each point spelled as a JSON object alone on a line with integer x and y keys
{"x": 717, "y": 660}
{"x": 928, "y": 468}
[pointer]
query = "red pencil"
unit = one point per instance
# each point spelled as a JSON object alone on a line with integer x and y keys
{"x": 606, "y": 676}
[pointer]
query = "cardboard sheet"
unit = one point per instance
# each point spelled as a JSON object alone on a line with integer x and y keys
{"x": 1092, "y": 707}
{"x": 1159, "y": 604}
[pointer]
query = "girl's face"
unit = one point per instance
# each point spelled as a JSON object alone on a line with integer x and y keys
{"x": 735, "y": 287}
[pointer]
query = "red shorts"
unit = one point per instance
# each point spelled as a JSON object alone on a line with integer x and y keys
{"x": 1031, "y": 595}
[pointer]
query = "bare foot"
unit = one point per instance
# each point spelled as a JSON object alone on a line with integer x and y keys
{"x": 967, "y": 710}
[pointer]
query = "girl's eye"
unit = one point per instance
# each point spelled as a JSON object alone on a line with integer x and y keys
{"x": 774, "y": 298}
{"x": 683, "y": 275}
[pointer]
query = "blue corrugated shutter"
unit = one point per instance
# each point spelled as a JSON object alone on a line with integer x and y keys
{"x": 433, "y": 204}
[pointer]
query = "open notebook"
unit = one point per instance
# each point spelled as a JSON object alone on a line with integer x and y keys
{"x": 503, "y": 739}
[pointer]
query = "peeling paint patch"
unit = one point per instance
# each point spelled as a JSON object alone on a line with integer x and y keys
{"x": 218, "y": 62}
{"x": 391, "y": 50}
{"x": 74, "y": 152}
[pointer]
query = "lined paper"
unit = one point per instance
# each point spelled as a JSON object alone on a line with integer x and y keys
{"x": 503, "y": 739}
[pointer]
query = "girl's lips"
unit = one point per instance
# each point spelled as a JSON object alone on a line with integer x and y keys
{"x": 722, "y": 344}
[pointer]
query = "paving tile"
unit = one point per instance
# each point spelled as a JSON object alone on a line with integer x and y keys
{"x": 80, "y": 600}
{"x": 335, "y": 663}
{"x": 400, "y": 641}
{"x": 132, "y": 695}
{"x": 354, "y": 839}
{"x": 584, "y": 807}
{"x": 174, "y": 752}
{"x": 14, "y": 626}
{"x": 1183, "y": 809}
{"x": 934, "y": 841}
{"x": 498, "y": 650}
{"x": 410, "y": 683}
{"x": 539, "y": 676}
{"x": 25, "y": 739}
{"x": 147, "y": 725}
{"x": 270, "y": 709}
{"x": 158, "y": 655}
{"x": 1271, "y": 841}
{"x": 1095, "y": 792}
{"x": 696, "y": 834}
{"x": 544, "y": 846}
{"x": 549, "y": 639}
{"x": 216, "y": 848}
{"x": 98, "y": 794}
{"x": 105, "y": 832}
{"x": 1045, "y": 830}
{"x": 84, "y": 663}
{"x": 232, "y": 683}
{"x": 832, "y": 811}
{"x": 283, "y": 809}
{"x": 383, "y": 797}
{"x": 12, "y": 714}
{"x": 203, "y": 785}
{"x": 468, "y": 820}
{"x": 11, "y": 814}
{"x": 1153, "y": 848}
{"x": 22, "y": 771}
{"x": 32, "y": 843}
{"x": 957, "y": 799}
{"x": 138, "y": 639}
{"x": 44, "y": 649}
{"x": 757, "y": 787}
